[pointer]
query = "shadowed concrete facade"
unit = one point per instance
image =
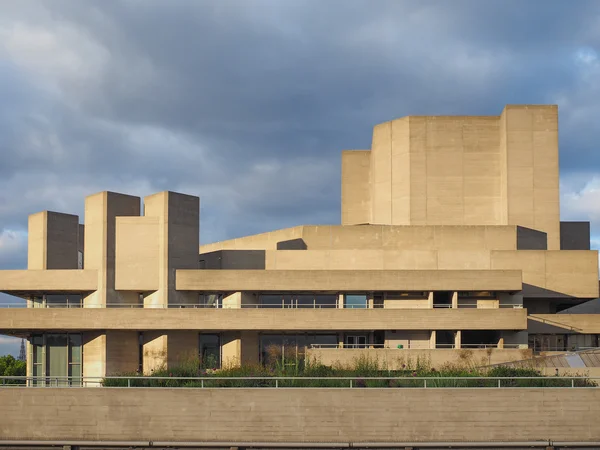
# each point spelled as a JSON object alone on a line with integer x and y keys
{"x": 450, "y": 237}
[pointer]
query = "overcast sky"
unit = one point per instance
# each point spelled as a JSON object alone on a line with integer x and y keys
{"x": 248, "y": 104}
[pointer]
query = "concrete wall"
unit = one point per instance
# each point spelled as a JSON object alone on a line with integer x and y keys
{"x": 348, "y": 280}
{"x": 101, "y": 211}
{"x": 137, "y": 253}
{"x": 356, "y": 187}
{"x": 564, "y": 323}
{"x": 178, "y": 238}
{"x": 531, "y": 148}
{"x": 574, "y": 235}
{"x": 395, "y": 358}
{"x": 48, "y": 280}
{"x": 261, "y": 319}
{"x": 300, "y": 415}
{"x": 409, "y": 339}
{"x": 371, "y": 237}
{"x": 52, "y": 241}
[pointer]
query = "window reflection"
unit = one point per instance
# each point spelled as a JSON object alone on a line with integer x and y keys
{"x": 355, "y": 301}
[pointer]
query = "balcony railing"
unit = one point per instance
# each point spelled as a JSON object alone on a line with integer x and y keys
{"x": 300, "y": 382}
{"x": 77, "y": 305}
{"x": 408, "y": 347}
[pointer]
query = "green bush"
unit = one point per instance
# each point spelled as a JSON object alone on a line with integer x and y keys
{"x": 362, "y": 370}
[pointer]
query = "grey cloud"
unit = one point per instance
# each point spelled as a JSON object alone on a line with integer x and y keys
{"x": 248, "y": 103}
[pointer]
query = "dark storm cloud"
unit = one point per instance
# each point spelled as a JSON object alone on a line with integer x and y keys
{"x": 248, "y": 103}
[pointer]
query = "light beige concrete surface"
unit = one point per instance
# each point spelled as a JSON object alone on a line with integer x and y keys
{"x": 564, "y": 323}
{"x": 261, "y": 319}
{"x": 558, "y": 273}
{"x": 385, "y": 237}
{"x": 531, "y": 146}
{"x": 348, "y": 280}
{"x": 48, "y": 281}
{"x": 137, "y": 253}
{"x": 178, "y": 237}
{"x": 301, "y": 415}
{"x": 122, "y": 351}
{"x": 52, "y": 241}
{"x": 101, "y": 210}
{"x": 94, "y": 354}
{"x": 356, "y": 190}
{"x": 394, "y": 358}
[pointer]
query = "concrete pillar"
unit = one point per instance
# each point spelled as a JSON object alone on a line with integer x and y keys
{"x": 432, "y": 339}
{"x": 231, "y": 349}
{"x": 430, "y": 300}
{"x": 455, "y": 300}
{"x": 154, "y": 351}
{"x": 340, "y": 300}
{"x": 52, "y": 241}
{"x": 501, "y": 342}
{"x": 122, "y": 352}
{"x": 101, "y": 211}
{"x": 179, "y": 227}
{"x": 250, "y": 343}
{"x": 457, "y": 339}
{"x": 110, "y": 352}
{"x": 171, "y": 349}
{"x": 94, "y": 357}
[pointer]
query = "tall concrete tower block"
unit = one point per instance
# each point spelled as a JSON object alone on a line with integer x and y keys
{"x": 101, "y": 212}
{"x": 52, "y": 241}
{"x": 178, "y": 229}
{"x": 458, "y": 170}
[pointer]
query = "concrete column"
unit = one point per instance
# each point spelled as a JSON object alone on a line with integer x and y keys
{"x": 122, "y": 351}
{"x": 457, "y": 339}
{"x": 52, "y": 241}
{"x": 455, "y": 300}
{"x": 179, "y": 227}
{"x": 250, "y": 343}
{"x": 432, "y": 339}
{"x": 94, "y": 356}
{"x": 340, "y": 300}
{"x": 231, "y": 349}
{"x": 154, "y": 351}
{"x": 101, "y": 211}
{"x": 501, "y": 342}
{"x": 430, "y": 300}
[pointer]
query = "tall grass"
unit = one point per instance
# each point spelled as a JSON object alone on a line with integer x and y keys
{"x": 300, "y": 372}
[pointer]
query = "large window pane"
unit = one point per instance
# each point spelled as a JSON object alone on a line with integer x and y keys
{"x": 326, "y": 300}
{"x": 75, "y": 348}
{"x": 210, "y": 351}
{"x": 355, "y": 301}
{"x": 211, "y": 300}
{"x": 56, "y": 357}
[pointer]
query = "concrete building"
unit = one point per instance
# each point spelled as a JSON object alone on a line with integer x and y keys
{"x": 450, "y": 239}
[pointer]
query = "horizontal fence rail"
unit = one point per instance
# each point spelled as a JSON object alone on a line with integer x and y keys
{"x": 300, "y": 382}
{"x": 408, "y": 347}
{"x": 77, "y": 305}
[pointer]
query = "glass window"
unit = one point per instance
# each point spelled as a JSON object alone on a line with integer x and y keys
{"x": 57, "y": 358}
{"x": 355, "y": 301}
{"x": 211, "y": 300}
{"x": 359, "y": 341}
{"x": 210, "y": 351}
{"x": 326, "y": 300}
{"x": 276, "y": 301}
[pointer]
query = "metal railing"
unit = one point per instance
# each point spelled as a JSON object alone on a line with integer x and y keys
{"x": 408, "y": 347}
{"x": 474, "y": 306}
{"x": 314, "y": 305}
{"x": 300, "y": 382}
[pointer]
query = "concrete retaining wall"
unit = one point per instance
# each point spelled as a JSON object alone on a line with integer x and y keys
{"x": 300, "y": 415}
{"x": 393, "y": 358}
